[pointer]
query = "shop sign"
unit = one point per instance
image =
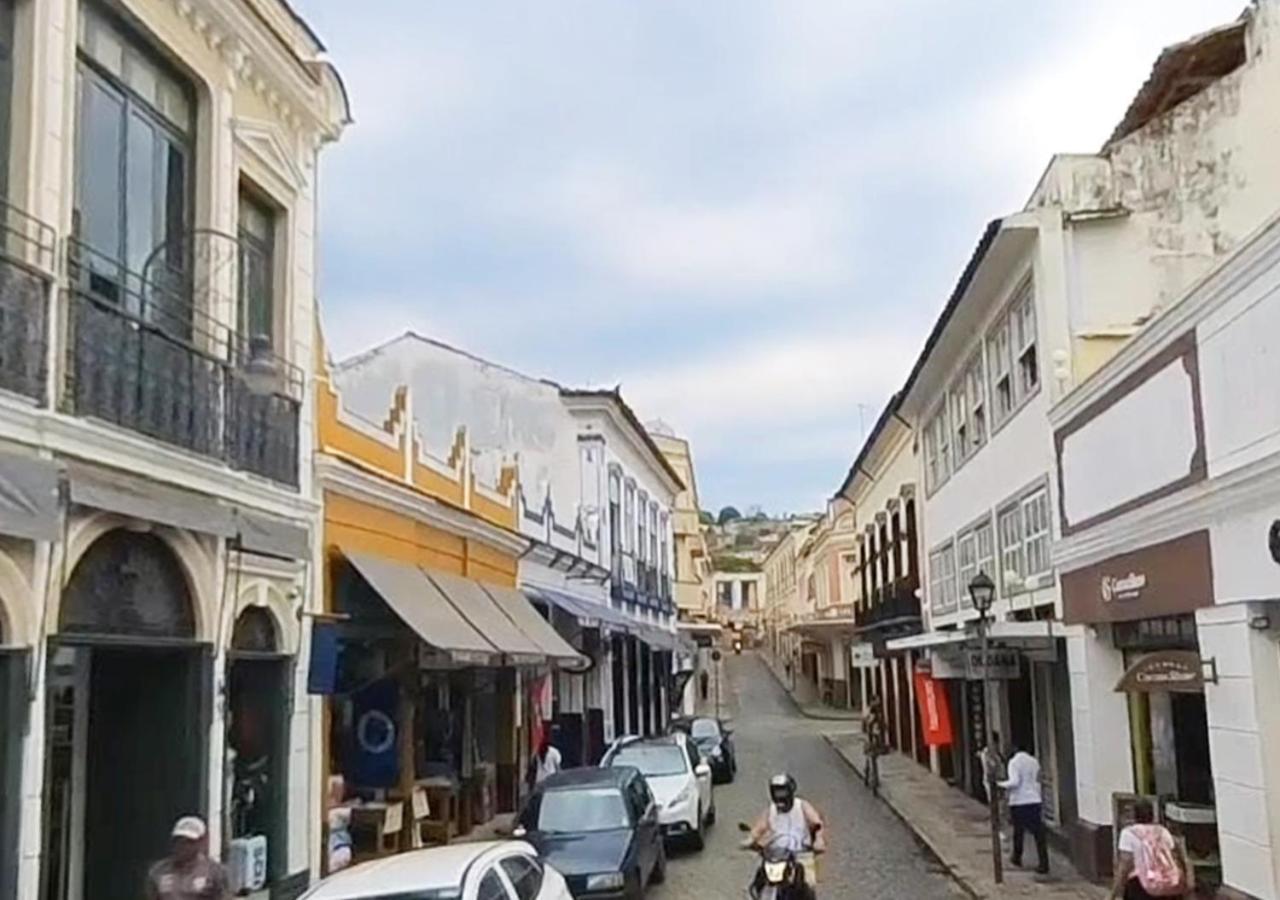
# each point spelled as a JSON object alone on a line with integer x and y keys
{"x": 1165, "y": 579}
{"x": 863, "y": 656}
{"x": 1000, "y": 664}
{"x": 947, "y": 665}
{"x": 1180, "y": 671}
{"x": 935, "y": 715}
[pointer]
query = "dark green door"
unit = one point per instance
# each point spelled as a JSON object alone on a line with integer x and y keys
{"x": 13, "y": 727}
{"x": 146, "y": 761}
{"x": 260, "y": 707}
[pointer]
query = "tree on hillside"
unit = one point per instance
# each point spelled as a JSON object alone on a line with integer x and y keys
{"x": 729, "y": 514}
{"x": 705, "y": 518}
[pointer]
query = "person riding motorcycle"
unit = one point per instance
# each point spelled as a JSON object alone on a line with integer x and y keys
{"x": 789, "y": 819}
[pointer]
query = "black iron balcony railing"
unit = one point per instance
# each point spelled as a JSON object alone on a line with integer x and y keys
{"x": 143, "y": 355}
{"x": 27, "y": 248}
{"x": 893, "y": 604}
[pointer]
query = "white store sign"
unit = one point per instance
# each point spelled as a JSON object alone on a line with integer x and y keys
{"x": 863, "y": 656}
{"x": 1001, "y": 664}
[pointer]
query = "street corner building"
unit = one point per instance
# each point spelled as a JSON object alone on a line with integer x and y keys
{"x": 158, "y": 195}
{"x": 496, "y": 562}
{"x": 1169, "y": 468}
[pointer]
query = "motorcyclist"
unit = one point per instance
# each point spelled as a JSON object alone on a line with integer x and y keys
{"x": 789, "y": 820}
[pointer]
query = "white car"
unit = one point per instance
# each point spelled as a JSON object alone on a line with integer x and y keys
{"x": 679, "y": 779}
{"x": 485, "y": 870}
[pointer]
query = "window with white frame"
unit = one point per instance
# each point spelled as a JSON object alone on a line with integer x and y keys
{"x": 1001, "y": 370}
{"x": 960, "y": 423}
{"x": 942, "y": 579}
{"x": 938, "y": 443}
{"x": 629, "y": 533}
{"x": 944, "y": 442}
{"x": 1035, "y": 532}
{"x": 1023, "y": 316}
{"x": 933, "y": 474}
{"x": 967, "y": 559}
{"x": 642, "y": 531}
{"x": 985, "y": 548}
{"x": 1012, "y": 566}
{"x": 653, "y": 535}
{"x": 975, "y": 386}
{"x": 1012, "y": 360}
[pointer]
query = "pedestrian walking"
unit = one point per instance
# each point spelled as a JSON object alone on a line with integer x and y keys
{"x": 1151, "y": 862}
{"x": 188, "y": 873}
{"x": 547, "y": 761}
{"x": 873, "y": 730}
{"x": 1026, "y": 806}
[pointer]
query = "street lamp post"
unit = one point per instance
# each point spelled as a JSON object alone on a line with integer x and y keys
{"x": 715, "y": 659}
{"x": 982, "y": 590}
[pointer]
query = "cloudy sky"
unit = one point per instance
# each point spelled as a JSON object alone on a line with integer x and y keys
{"x": 745, "y": 212}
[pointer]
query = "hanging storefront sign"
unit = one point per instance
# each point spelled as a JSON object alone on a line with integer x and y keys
{"x": 375, "y": 761}
{"x": 935, "y": 714}
{"x": 1180, "y": 671}
{"x": 1001, "y": 663}
{"x": 863, "y": 656}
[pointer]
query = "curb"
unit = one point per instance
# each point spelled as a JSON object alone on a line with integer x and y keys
{"x": 947, "y": 867}
{"x": 808, "y": 714}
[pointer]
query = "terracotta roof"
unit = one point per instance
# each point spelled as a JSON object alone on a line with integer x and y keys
{"x": 1182, "y": 71}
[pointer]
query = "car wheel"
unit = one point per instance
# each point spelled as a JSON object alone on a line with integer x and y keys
{"x": 699, "y": 838}
{"x": 659, "y": 873}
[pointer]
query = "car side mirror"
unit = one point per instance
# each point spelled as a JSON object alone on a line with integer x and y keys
{"x": 702, "y": 769}
{"x": 519, "y": 831}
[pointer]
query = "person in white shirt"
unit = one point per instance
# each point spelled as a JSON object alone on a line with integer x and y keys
{"x": 1025, "y": 806}
{"x": 547, "y": 761}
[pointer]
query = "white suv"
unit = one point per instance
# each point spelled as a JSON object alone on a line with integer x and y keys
{"x": 679, "y": 779}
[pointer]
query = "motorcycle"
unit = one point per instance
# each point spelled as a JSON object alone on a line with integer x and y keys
{"x": 783, "y": 873}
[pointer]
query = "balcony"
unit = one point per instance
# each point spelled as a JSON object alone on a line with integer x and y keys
{"x": 27, "y": 248}
{"x": 893, "y": 607}
{"x": 143, "y": 355}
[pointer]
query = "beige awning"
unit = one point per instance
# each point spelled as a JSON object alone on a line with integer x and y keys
{"x": 422, "y": 606}
{"x": 478, "y": 608}
{"x": 536, "y": 628}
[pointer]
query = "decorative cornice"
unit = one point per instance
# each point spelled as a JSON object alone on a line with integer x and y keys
{"x": 343, "y": 478}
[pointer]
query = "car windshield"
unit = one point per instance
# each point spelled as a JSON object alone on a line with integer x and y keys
{"x": 588, "y": 809}
{"x": 704, "y": 728}
{"x": 449, "y": 893}
{"x": 653, "y": 759}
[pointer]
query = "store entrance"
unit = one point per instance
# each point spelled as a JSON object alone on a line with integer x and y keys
{"x": 128, "y": 712}
{"x": 258, "y": 702}
{"x": 13, "y": 729}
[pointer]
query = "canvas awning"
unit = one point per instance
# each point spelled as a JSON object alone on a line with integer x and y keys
{"x": 656, "y": 638}
{"x": 422, "y": 606}
{"x": 587, "y": 612}
{"x": 539, "y": 630}
{"x": 478, "y": 608}
{"x": 260, "y": 533}
{"x": 115, "y": 491}
{"x": 29, "y": 497}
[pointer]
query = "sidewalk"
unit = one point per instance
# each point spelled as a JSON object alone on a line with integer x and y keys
{"x": 815, "y": 709}
{"x": 956, "y": 829}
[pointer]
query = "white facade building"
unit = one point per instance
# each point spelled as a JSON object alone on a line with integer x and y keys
{"x": 565, "y": 447}
{"x": 157, "y": 321}
{"x": 1170, "y": 468}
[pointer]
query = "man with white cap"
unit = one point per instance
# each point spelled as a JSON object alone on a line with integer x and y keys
{"x": 188, "y": 873}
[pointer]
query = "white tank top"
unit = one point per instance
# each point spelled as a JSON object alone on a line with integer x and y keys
{"x": 789, "y": 830}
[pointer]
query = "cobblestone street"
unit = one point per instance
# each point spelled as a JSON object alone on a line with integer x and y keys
{"x": 873, "y": 855}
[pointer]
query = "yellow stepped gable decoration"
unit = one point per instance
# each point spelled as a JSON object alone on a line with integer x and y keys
{"x": 393, "y": 450}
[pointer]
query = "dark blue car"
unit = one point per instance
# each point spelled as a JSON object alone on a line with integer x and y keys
{"x": 599, "y": 829}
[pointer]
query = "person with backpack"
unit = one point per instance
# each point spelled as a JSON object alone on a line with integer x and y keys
{"x": 1151, "y": 862}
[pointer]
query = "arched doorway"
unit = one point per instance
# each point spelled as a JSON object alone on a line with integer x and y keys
{"x": 128, "y": 713}
{"x": 259, "y": 700}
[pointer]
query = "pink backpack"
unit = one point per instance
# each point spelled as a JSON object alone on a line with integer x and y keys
{"x": 1155, "y": 863}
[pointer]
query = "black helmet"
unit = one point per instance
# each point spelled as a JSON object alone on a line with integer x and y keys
{"x": 782, "y": 791}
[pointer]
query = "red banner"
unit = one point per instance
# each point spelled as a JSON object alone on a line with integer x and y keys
{"x": 935, "y": 714}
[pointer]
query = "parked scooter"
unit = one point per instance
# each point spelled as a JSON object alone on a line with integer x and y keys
{"x": 737, "y": 645}
{"x": 782, "y": 873}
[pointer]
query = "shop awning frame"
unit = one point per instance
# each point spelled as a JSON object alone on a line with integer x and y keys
{"x": 424, "y": 608}
{"x": 588, "y": 613}
{"x": 521, "y": 611}
{"x": 474, "y": 604}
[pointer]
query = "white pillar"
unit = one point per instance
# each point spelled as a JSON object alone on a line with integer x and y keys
{"x": 1244, "y": 741}
{"x": 1101, "y": 723}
